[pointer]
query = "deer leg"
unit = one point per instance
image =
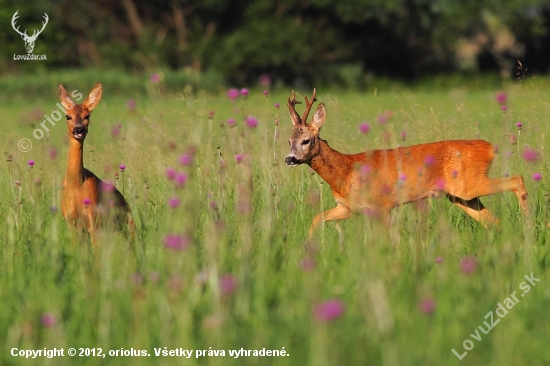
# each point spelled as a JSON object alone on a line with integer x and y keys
{"x": 488, "y": 186}
{"x": 340, "y": 212}
{"x": 475, "y": 209}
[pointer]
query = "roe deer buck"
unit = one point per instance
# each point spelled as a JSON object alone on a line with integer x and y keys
{"x": 380, "y": 180}
{"x": 85, "y": 197}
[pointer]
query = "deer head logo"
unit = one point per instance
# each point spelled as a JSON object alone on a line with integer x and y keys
{"x": 29, "y": 40}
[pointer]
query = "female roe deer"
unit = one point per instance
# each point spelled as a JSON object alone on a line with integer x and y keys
{"x": 380, "y": 180}
{"x": 85, "y": 197}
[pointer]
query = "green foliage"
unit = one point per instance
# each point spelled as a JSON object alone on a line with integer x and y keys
{"x": 291, "y": 41}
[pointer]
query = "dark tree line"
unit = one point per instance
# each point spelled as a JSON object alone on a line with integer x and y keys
{"x": 242, "y": 39}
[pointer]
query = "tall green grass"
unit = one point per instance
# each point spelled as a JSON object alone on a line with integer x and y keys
{"x": 248, "y": 278}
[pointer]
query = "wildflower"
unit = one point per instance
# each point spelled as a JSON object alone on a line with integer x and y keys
{"x": 86, "y": 201}
{"x": 438, "y": 260}
{"x": 537, "y": 177}
{"x": 176, "y": 242}
{"x": 31, "y": 163}
{"x": 501, "y": 98}
{"x": 277, "y": 105}
{"x": 519, "y": 125}
{"x": 403, "y": 135}
{"x": 170, "y": 173}
{"x": 53, "y": 153}
{"x": 48, "y": 320}
{"x": 429, "y": 161}
{"x": 174, "y": 202}
{"x": 530, "y": 155}
{"x": 266, "y": 93}
{"x": 185, "y": 159}
{"x": 440, "y": 184}
{"x": 426, "y": 306}
{"x": 233, "y": 94}
{"x": 239, "y": 158}
{"x": 307, "y": 264}
{"x": 364, "y": 128}
{"x": 244, "y": 92}
{"x": 131, "y": 104}
{"x": 122, "y": 167}
{"x": 231, "y": 122}
{"x": 251, "y": 122}
{"x": 155, "y": 78}
{"x": 180, "y": 179}
{"x": 228, "y": 284}
{"x": 468, "y": 265}
{"x": 504, "y": 108}
{"x": 265, "y": 80}
{"x": 328, "y": 310}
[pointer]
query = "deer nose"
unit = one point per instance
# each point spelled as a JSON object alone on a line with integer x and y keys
{"x": 291, "y": 160}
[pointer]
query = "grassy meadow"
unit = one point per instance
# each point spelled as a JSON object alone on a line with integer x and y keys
{"x": 221, "y": 261}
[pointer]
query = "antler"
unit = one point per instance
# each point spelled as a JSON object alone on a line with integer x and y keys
{"x": 296, "y": 120}
{"x": 291, "y": 104}
{"x": 43, "y": 26}
{"x": 15, "y": 16}
{"x": 308, "y": 105}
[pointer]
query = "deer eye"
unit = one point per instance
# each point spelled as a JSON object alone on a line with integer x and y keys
{"x": 87, "y": 116}
{"x": 68, "y": 117}
{"x": 305, "y": 142}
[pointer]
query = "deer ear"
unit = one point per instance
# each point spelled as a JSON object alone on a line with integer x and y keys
{"x": 66, "y": 101}
{"x": 94, "y": 97}
{"x": 319, "y": 117}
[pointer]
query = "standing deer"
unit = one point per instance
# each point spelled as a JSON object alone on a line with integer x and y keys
{"x": 379, "y": 180}
{"x": 29, "y": 40}
{"x": 85, "y": 198}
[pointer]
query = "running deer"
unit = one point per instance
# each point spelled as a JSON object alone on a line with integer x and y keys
{"x": 377, "y": 181}
{"x": 86, "y": 200}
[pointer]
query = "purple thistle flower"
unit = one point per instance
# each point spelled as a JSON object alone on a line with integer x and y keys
{"x": 440, "y": 184}
{"x": 244, "y": 92}
{"x": 211, "y": 114}
{"x": 115, "y": 132}
{"x": 403, "y": 135}
{"x": 438, "y": 260}
{"x": 277, "y": 105}
{"x": 328, "y": 310}
{"x": 31, "y": 163}
{"x": 155, "y": 78}
{"x": 468, "y": 265}
{"x": 251, "y": 122}
{"x": 233, "y": 94}
{"x": 107, "y": 187}
{"x": 382, "y": 119}
{"x": 180, "y": 179}
{"x": 402, "y": 177}
{"x": 519, "y": 125}
{"x": 185, "y": 159}
{"x": 122, "y": 167}
{"x": 131, "y": 104}
{"x": 170, "y": 173}
{"x": 266, "y": 93}
{"x": 504, "y": 108}
{"x": 454, "y": 173}
{"x": 531, "y": 155}
{"x": 426, "y": 306}
{"x": 537, "y": 177}
{"x": 364, "y": 127}
{"x": 176, "y": 242}
{"x": 174, "y": 202}
{"x": 429, "y": 161}
{"x": 228, "y": 284}
{"x": 307, "y": 264}
{"x": 238, "y": 158}
{"x": 265, "y": 80}
{"x": 86, "y": 201}
{"x": 501, "y": 97}
{"x": 48, "y": 320}
{"x": 53, "y": 153}
{"x": 231, "y": 122}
